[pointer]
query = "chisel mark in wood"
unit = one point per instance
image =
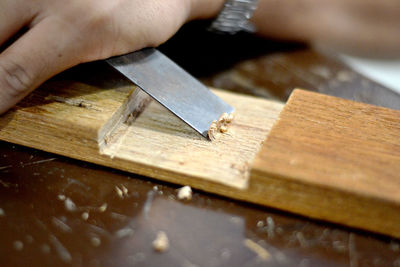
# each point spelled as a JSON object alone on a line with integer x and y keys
{"x": 81, "y": 103}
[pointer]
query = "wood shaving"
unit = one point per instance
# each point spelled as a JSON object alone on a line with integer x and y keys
{"x": 185, "y": 193}
{"x": 18, "y": 245}
{"x": 95, "y": 241}
{"x": 103, "y": 207}
{"x": 161, "y": 243}
{"x": 45, "y": 248}
{"x": 220, "y": 126}
{"x": 124, "y": 189}
{"x": 124, "y": 232}
{"x": 69, "y": 205}
{"x": 261, "y": 252}
{"x": 85, "y": 216}
{"x": 119, "y": 192}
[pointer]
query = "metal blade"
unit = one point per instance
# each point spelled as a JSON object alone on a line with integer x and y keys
{"x": 172, "y": 87}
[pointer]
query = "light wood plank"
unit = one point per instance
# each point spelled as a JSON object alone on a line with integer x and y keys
{"x": 157, "y": 144}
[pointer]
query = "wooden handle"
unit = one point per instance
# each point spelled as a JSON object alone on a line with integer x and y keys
{"x": 335, "y": 160}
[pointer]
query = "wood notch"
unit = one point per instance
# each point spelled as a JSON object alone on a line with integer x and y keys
{"x": 335, "y": 160}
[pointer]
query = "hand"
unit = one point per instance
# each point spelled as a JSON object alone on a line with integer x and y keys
{"x": 62, "y": 34}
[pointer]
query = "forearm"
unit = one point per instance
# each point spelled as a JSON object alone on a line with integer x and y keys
{"x": 359, "y": 26}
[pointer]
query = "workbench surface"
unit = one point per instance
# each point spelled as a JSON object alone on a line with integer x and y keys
{"x": 59, "y": 211}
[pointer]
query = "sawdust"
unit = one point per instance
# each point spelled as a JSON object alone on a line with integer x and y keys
{"x": 219, "y": 126}
{"x": 161, "y": 243}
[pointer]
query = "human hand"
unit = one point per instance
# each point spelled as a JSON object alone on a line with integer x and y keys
{"x": 62, "y": 34}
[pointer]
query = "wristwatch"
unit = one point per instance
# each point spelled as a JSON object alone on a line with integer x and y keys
{"x": 235, "y": 16}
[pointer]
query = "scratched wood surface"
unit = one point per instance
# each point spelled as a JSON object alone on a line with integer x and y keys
{"x": 333, "y": 159}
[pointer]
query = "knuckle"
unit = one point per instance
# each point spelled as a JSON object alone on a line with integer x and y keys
{"x": 15, "y": 78}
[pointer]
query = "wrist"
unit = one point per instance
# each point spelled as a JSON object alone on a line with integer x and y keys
{"x": 204, "y": 9}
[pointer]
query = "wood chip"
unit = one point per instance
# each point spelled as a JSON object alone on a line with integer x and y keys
{"x": 85, "y": 216}
{"x": 185, "y": 193}
{"x": 18, "y": 245}
{"x": 161, "y": 243}
{"x": 95, "y": 241}
{"x": 261, "y": 252}
{"x": 119, "y": 192}
{"x": 103, "y": 207}
{"x": 69, "y": 204}
{"x": 219, "y": 126}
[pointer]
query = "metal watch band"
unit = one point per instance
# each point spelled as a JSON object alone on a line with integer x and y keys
{"x": 235, "y": 16}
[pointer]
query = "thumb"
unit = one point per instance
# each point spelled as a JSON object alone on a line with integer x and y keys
{"x": 32, "y": 59}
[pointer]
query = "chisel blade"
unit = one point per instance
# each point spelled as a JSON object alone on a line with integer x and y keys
{"x": 172, "y": 87}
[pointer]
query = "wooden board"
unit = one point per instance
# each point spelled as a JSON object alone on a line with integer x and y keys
{"x": 84, "y": 122}
{"x": 325, "y": 158}
{"x": 333, "y": 159}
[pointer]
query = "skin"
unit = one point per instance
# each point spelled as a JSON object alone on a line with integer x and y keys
{"x": 62, "y": 34}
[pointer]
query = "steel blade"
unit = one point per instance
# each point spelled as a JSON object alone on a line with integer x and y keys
{"x": 172, "y": 87}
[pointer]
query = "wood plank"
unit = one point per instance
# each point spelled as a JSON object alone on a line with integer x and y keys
{"x": 335, "y": 160}
{"x": 80, "y": 118}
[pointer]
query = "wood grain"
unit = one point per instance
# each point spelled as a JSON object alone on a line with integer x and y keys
{"x": 333, "y": 159}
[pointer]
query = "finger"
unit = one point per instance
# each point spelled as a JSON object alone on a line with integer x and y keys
{"x": 14, "y": 14}
{"x": 45, "y": 50}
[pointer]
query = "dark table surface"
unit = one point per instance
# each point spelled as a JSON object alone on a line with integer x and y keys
{"x": 59, "y": 211}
